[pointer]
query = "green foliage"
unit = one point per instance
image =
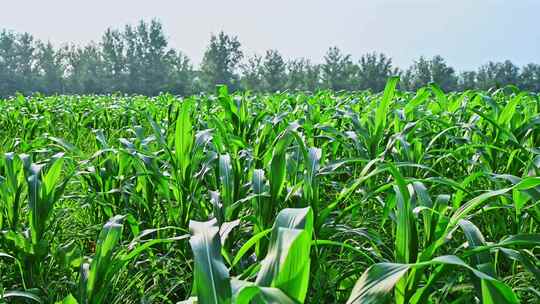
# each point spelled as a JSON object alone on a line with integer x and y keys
{"x": 284, "y": 272}
{"x": 291, "y": 197}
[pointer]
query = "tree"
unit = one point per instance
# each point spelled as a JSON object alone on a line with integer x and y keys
{"x": 137, "y": 59}
{"x": 50, "y": 68}
{"x": 147, "y": 58}
{"x": 497, "y": 74}
{"x": 312, "y": 80}
{"x": 303, "y": 76}
{"x": 8, "y": 81}
{"x": 296, "y": 79}
{"x": 220, "y": 62}
{"x": 25, "y": 50}
{"x": 529, "y": 79}
{"x": 274, "y": 71}
{"x": 442, "y": 74}
{"x": 17, "y": 63}
{"x": 86, "y": 70}
{"x": 252, "y": 74}
{"x": 373, "y": 71}
{"x": 181, "y": 78}
{"x": 423, "y": 71}
{"x": 467, "y": 80}
{"x": 418, "y": 74}
{"x": 338, "y": 70}
{"x": 114, "y": 60}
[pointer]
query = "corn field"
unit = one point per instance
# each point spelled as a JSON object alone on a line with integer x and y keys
{"x": 332, "y": 197}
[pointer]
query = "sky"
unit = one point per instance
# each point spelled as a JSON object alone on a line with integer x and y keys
{"x": 467, "y": 33}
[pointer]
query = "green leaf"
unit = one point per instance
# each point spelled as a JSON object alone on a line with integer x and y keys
{"x": 421, "y": 95}
{"x": 246, "y": 293}
{"x": 381, "y": 113}
{"x": 377, "y": 282}
{"x": 311, "y": 188}
{"x": 183, "y": 137}
{"x": 522, "y": 240}
{"x": 509, "y": 109}
{"x": 287, "y": 263}
{"x": 70, "y": 299}
{"x": 212, "y": 281}
{"x": 50, "y": 180}
{"x": 21, "y": 295}
{"x": 247, "y": 245}
{"x": 278, "y": 167}
{"x": 526, "y": 258}
{"x": 481, "y": 260}
{"x": 375, "y": 285}
{"x": 495, "y": 292}
{"x": 101, "y": 268}
{"x": 262, "y": 208}
{"x": 474, "y": 203}
{"x": 429, "y": 218}
{"x": 406, "y": 248}
{"x": 528, "y": 183}
{"x": 226, "y": 180}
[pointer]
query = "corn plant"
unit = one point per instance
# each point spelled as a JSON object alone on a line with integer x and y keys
{"x": 98, "y": 274}
{"x": 284, "y": 272}
{"x": 44, "y": 187}
{"x": 404, "y": 277}
{"x": 413, "y": 197}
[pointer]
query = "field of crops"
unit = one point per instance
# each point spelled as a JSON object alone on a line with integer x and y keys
{"x": 401, "y": 197}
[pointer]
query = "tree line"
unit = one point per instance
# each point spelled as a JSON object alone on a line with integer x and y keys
{"x": 138, "y": 60}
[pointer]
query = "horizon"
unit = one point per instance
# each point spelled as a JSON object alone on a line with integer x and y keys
{"x": 356, "y": 28}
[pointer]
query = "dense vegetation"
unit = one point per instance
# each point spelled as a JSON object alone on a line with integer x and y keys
{"x": 138, "y": 60}
{"x": 412, "y": 197}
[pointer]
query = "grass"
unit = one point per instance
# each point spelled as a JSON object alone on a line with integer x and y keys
{"x": 348, "y": 197}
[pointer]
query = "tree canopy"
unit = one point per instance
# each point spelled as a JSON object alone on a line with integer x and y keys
{"x": 138, "y": 60}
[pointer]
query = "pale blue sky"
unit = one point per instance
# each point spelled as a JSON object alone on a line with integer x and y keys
{"x": 467, "y": 33}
